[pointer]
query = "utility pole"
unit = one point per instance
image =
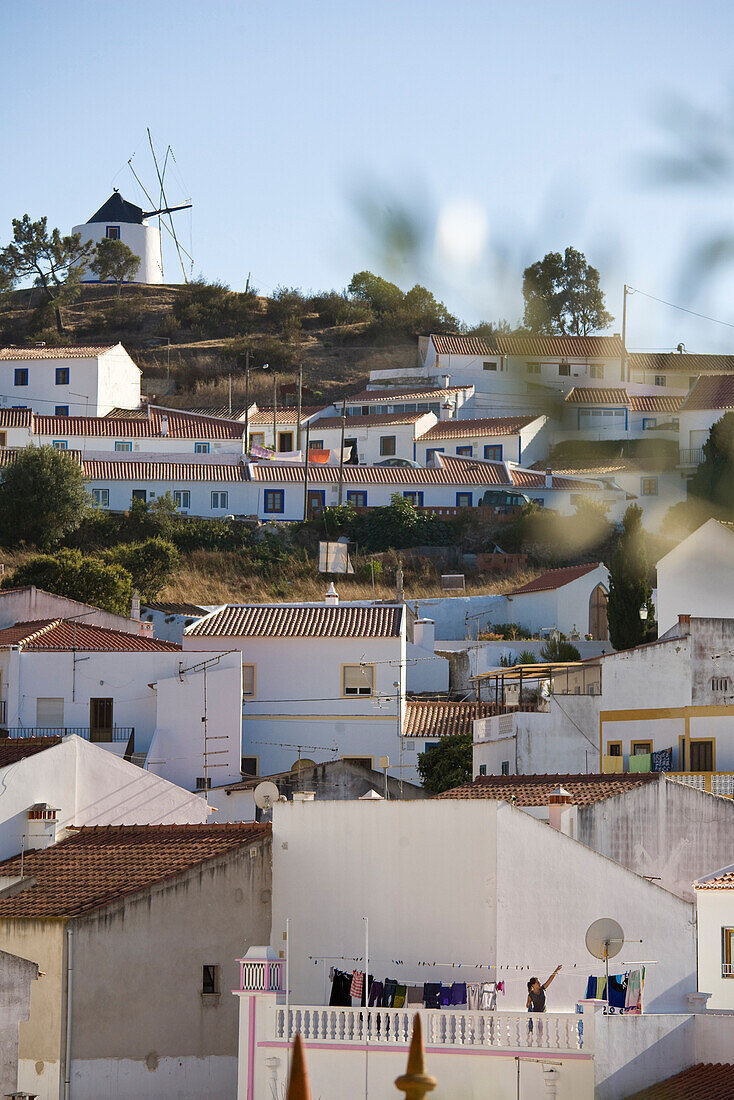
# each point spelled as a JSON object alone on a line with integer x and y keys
{"x": 341, "y": 452}
{"x": 229, "y": 379}
{"x": 247, "y": 400}
{"x": 305, "y": 476}
{"x": 625, "y": 371}
{"x": 300, "y": 399}
{"x": 275, "y": 413}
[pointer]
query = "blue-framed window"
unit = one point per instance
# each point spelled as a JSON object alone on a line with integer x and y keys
{"x": 113, "y": 233}
{"x": 123, "y": 445}
{"x": 21, "y": 376}
{"x": 62, "y": 376}
{"x": 220, "y": 499}
{"x": 414, "y": 497}
{"x": 649, "y": 422}
{"x": 357, "y": 497}
{"x": 60, "y": 444}
{"x": 431, "y": 451}
{"x": 465, "y": 451}
{"x": 463, "y": 500}
{"x": 201, "y": 448}
{"x": 61, "y": 410}
{"x": 274, "y": 500}
{"x": 493, "y": 451}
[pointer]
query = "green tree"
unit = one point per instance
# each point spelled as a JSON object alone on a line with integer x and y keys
{"x": 447, "y": 764}
{"x": 714, "y": 478}
{"x": 629, "y": 585}
{"x": 69, "y": 573}
{"x": 558, "y": 649}
{"x": 562, "y": 295}
{"x": 382, "y": 297}
{"x": 42, "y": 498}
{"x": 55, "y": 263}
{"x": 115, "y": 262}
{"x": 151, "y": 563}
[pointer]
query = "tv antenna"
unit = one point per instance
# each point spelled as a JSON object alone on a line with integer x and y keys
{"x": 265, "y": 794}
{"x": 604, "y": 940}
{"x": 162, "y": 207}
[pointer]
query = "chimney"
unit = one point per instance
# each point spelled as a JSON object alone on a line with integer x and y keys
{"x": 684, "y": 625}
{"x": 332, "y": 596}
{"x": 561, "y": 811}
{"x": 164, "y": 425}
{"x": 446, "y": 411}
{"x": 41, "y": 826}
{"x": 135, "y": 605}
{"x": 548, "y": 478}
{"x": 424, "y": 634}
{"x": 446, "y": 381}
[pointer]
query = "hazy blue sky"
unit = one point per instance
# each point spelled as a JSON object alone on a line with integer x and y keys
{"x": 507, "y": 129}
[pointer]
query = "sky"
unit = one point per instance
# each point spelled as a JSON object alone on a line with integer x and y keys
{"x": 302, "y": 131}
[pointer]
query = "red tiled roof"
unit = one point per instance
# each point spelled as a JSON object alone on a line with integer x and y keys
{"x": 704, "y": 1081}
{"x": 453, "y": 343}
{"x": 286, "y": 415}
{"x": 425, "y": 718}
{"x": 488, "y": 426}
{"x": 398, "y": 396}
{"x": 115, "y": 469}
{"x": 530, "y": 479}
{"x": 561, "y": 347}
{"x": 453, "y": 470}
{"x": 16, "y": 418}
{"x": 656, "y": 402}
{"x": 301, "y": 621}
{"x": 17, "y": 748}
{"x": 99, "y": 864}
{"x": 555, "y": 578}
{"x": 374, "y": 420}
{"x": 67, "y": 634}
{"x": 721, "y": 880}
{"x": 674, "y": 361}
{"x": 534, "y": 790}
{"x": 711, "y": 392}
{"x": 56, "y": 353}
{"x": 181, "y": 425}
{"x": 638, "y": 402}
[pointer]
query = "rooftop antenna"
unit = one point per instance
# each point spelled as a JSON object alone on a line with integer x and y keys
{"x": 604, "y": 940}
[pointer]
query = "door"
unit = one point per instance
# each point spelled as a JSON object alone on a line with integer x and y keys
{"x": 702, "y": 756}
{"x": 140, "y": 494}
{"x": 598, "y": 626}
{"x": 100, "y": 719}
{"x": 315, "y": 502}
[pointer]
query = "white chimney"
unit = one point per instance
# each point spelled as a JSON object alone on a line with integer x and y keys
{"x": 561, "y": 811}
{"x": 332, "y": 596}
{"x": 446, "y": 411}
{"x": 164, "y": 425}
{"x": 135, "y": 605}
{"x": 549, "y": 479}
{"x": 424, "y": 634}
{"x": 446, "y": 381}
{"x": 41, "y": 831}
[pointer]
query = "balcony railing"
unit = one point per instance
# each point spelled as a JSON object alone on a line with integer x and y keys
{"x": 117, "y": 733}
{"x": 691, "y": 456}
{"x": 721, "y": 783}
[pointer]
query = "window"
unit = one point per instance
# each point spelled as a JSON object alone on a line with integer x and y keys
{"x": 727, "y": 952}
{"x": 431, "y": 451}
{"x": 649, "y": 422}
{"x": 614, "y": 748}
{"x": 285, "y": 441}
{"x": 257, "y": 439}
{"x": 357, "y": 498}
{"x": 505, "y": 767}
{"x": 493, "y": 451}
{"x": 597, "y": 370}
{"x": 463, "y": 500}
{"x": 201, "y": 448}
{"x": 358, "y": 679}
{"x": 204, "y": 783}
{"x": 489, "y": 366}
{"x": 49, "y": 714}
{"x": 182, "y": 498}
{"x": 60, "y": 445}
{"x": 720, "y": 683}
{"x": 414, "y": 498}
{"x": 123, "y": 445}
{"x": 701, "y": 756}
{"x": 101, "y": 497}
{"x": 112, "y": 233}
{"x": 564, "y": 370}
{"x": 660, "y": 380}
{"x": 676, "y": 423}
{"x": 649, "y": 486}
{"x": 3, "y": 439}
{"x": 100, "y": 719}
{"x": 533, "y": 368}
{"x": 62, "y": 376}
{"x": 220, "y": 500}
{"x": 387, "y": 445}
{"x": 21, "y": 376}
{"x": 209, "y": 973}
{"x": 360, "y": 761}
{"x": 467, "y": 452}
{"x": 274, "y": 500}
{"x": 139, "y": 494}
{"x": 249, "y": 765}
{"x": 315, "y": 444}
{"x": 641, "y": 748}
{"x": 482, "y": 769}
{"x": 249, "y": 677}
{"x": 61, "y": 410}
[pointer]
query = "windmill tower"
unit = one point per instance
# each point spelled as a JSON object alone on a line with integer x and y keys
{"x": 122, "y": 220}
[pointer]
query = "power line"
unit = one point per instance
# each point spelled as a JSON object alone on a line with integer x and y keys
{"x": 703, "y": 316}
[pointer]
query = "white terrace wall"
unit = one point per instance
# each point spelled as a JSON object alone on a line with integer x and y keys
{"x": 19, "y": 605}
{"x": 16, "y": 977}
{"x": 715, "y": 912}
{"x": 697, "y": 576}
{"x": 563, "y": 739}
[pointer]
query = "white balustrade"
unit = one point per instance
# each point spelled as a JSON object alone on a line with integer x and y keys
{"x": 261, "y": 975}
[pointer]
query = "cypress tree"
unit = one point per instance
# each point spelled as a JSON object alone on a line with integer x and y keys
{"x": 629, "y": 585}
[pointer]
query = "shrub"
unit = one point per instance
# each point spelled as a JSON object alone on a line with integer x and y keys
{"x": 69, "y": 573}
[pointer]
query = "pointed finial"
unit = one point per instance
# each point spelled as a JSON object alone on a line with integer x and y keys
{"x": 298, "y": 1086}
{"x": 415, "y": 1082}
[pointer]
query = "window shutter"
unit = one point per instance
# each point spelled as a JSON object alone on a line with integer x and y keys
{"x": 50, "y": 713}
{"x": 248, "y": 679}
{"x": 358, "y": 679}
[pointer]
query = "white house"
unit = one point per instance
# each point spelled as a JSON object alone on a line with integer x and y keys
{"x": 618, "y": 412}
{"x": 153, "y": 430}
{"x": 710, "y": 398}
{"x": 201, "y": 485}
{"x": 120, "y": 220}
{"x": 715, "y": 912}
{"x": 320, "y": 681}
{"x": 57, "y": 381}
{"x": 373, "y": 438}
{"x": 20, "y": 605}
{"x": 520, "y": 439}
{"x": 572, "y": 599}
{"x": 675, "y": 368}
{"x": 696, "y": 577}
{"x": 260, "y": 426}
{"x": 445, "y": 402}
{"x": 133, "y": 694}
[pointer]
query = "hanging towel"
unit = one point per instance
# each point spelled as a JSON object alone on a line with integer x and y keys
{"x": 458, "y": 993}
{"x": 617, "y": 991}
{"x": 431, "y": 994}
{"x": 488, "y": 997}
{"x": 662, "y": 761}
{"x": 611, "y": 764}
{"x": 388, "y": 997}
{"x": 357, "y": 983}
{"x": 473, "y": 996}
{"x": 641, "y": 762}
{"x": 445, "y": 996}
{"x": 501, "y": 988}
{"x": 415, "y": 995}
{"x": 591, "y": 988}
{"x": 633, "y": 998}
{"x": 601, "y": 988}
{"x": 376, "y": 991}
{"x": 400, "y": 993}
{"x": 340, "y": 995}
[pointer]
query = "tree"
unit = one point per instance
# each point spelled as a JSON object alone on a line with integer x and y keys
{"x": 382, "y": 296}
{"x": 629, "y": 585}
{"x": 150, "y": 563}
{"x": 562, "y": 295}
{"x": 55, "y": 263}
{"x": 114, "y": 262}
{"x": 714, "y": 478}
{"x": 42, "y": 498}
{"x": 557, "y": 649}
{"x": 69, "y": 573}
{"x": 447, "y": 764}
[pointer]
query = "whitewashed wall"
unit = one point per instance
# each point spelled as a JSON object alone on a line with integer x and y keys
{"x": 105, "y": 381}
{"x": 697, "y": 576}
{"x": 144, "y": 239}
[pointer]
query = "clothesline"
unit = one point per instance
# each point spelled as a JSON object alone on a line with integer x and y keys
{"x": 504, "y": 967}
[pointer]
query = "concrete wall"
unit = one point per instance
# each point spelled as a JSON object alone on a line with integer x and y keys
{"x": 562, "y": 740}
{"x": 715, "y": 912}
{"x": 697, "y": 576}
{"x": 16, "y": 976}
{"x": 19, "y": 605}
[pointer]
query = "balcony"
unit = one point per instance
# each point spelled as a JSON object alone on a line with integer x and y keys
{"x": 721, "y": 783}
{"x": 690, "y": 456}
{"x": 116, "y": 734}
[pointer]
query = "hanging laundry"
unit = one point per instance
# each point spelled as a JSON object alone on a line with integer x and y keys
{"x": 415, "y": 995}
{"x": 488, "y": 997}
{"x": 662, "y": 760}
{"x": 473, "y": 993}
{"x": 458, "y": 993}
{"x": 445, "y": 996}
{"x": 612, "y": 764}
{"x": 376, "y": 993}
{"x": 617, "y": 991}
{"x": 640, "y": 762}
{"x": 388, "y": 997}
{"x": 400, "y": 994}
{"x": 357, "y": 983}
{"x": 591, "y": 988}
{"x": 431, "y": 994}
{"x": 633, "y": 997}
{"x": 501, "y": 988}
{"x": 340, "y": 990}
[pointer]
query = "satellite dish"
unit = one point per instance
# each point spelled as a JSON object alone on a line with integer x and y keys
{"x": 265, "y": 794}
{"x": 604, "y": 938}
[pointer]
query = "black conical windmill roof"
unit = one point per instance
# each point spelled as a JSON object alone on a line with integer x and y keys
{"x": 117, "y": 209}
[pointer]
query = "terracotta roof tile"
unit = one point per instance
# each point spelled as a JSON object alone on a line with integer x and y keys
{"x": 180, "y": 425}
{"x": 398, "y": 396}
{"x": 191, "y": 609}
{"x": 617, "y": 395}
{"x": 453, "y": 343}
{"x": 453, "y": 470}
{"x": 704, "y": 1081}
{"x": 42, "y": 634}
{"x": 555, "y": 578}
{"x": 115, "y": 469}
{"x": 16, "y": 748}
{"x": 98, "y": 865}
{"x": 16, "y": 418}
{"x": 530, "y": 479}
{"x": 690, "y": 363}
{"x": 533, "y": 790}
{"x": 711, "y": 392}
{"x": 374, "y": 420}
{"x": 425, "y": 718}
{"x": 488, "y": 426}
{"x": 286, "y": 415}
{"x": 563, "y": 347}
{"x": 721, "y": 880}
{"x": 56, "y": 353}
{"x": 301, "y": 621}
{"x": 656, "y": 402}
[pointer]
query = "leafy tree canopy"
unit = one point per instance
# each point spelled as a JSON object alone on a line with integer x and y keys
{"x": 629, "y": 585}
{"x": 114, "y": 261}
{"x": 55, "y": 263}
{"x": 69, "y": 573}
{"x": 42, "y": 498}
{"x": 151, "y": 563}
{"x": 562, "y": 295}
{"x": 714, "y": 478}
{"x": 382, "y": 296}
{"x": 447, "y": 764}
